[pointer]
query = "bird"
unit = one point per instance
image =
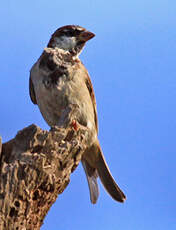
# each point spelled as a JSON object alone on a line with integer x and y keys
{"x": 59, "y": 83}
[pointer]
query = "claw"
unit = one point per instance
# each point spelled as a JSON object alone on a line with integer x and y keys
{"x": 75, "y": 125}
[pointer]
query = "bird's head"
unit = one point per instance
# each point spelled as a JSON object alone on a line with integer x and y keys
{"x": 70, "y": 38}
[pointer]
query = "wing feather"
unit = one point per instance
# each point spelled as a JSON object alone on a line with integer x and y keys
{"x": 92, "y": 95}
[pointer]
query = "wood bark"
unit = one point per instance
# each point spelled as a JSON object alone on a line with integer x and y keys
{"x": 35, "y": 167}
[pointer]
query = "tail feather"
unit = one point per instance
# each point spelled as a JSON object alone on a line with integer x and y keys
{"x": 92, "y": 181}
{"x": 95, "y": 165}
{"x": 107, "y": 180}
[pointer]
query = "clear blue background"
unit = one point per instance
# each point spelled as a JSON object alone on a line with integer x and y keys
{"x": 131, "y": 62}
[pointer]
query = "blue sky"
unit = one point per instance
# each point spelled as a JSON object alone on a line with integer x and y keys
{"x": 131, "y": 62}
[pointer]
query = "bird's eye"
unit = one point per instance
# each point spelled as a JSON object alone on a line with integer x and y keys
{"x": 69, "y": 33}
{"x": 77, "y": 32}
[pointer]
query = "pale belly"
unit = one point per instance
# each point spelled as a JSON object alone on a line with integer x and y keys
{"x": 68, "y": 98}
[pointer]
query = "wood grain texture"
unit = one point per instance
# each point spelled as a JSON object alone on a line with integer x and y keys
{"x": 35, "y": 167}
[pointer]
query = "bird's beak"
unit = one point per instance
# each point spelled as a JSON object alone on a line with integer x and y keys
{"x": 85, "y": 36}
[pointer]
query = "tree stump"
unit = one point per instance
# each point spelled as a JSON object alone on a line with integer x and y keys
{"x": 35, "y": 167}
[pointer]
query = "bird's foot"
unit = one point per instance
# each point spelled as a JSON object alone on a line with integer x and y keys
{"x": 74, "y": 124}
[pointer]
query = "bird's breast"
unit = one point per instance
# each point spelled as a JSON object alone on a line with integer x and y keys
{"x": 58, "y": 93}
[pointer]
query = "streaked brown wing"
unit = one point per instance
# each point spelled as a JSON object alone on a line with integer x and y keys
{"x": 91, "y": 91}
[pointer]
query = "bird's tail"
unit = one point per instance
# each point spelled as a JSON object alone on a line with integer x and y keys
{"x": 91, "y": 175}
{"x": 106, "y": 178}
{"x": 95, "y": 165}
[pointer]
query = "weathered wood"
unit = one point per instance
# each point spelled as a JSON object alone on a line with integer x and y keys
{"x": 35, "y": 167}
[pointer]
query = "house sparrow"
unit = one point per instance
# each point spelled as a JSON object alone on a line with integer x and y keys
{"x": 59, "y": 82}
